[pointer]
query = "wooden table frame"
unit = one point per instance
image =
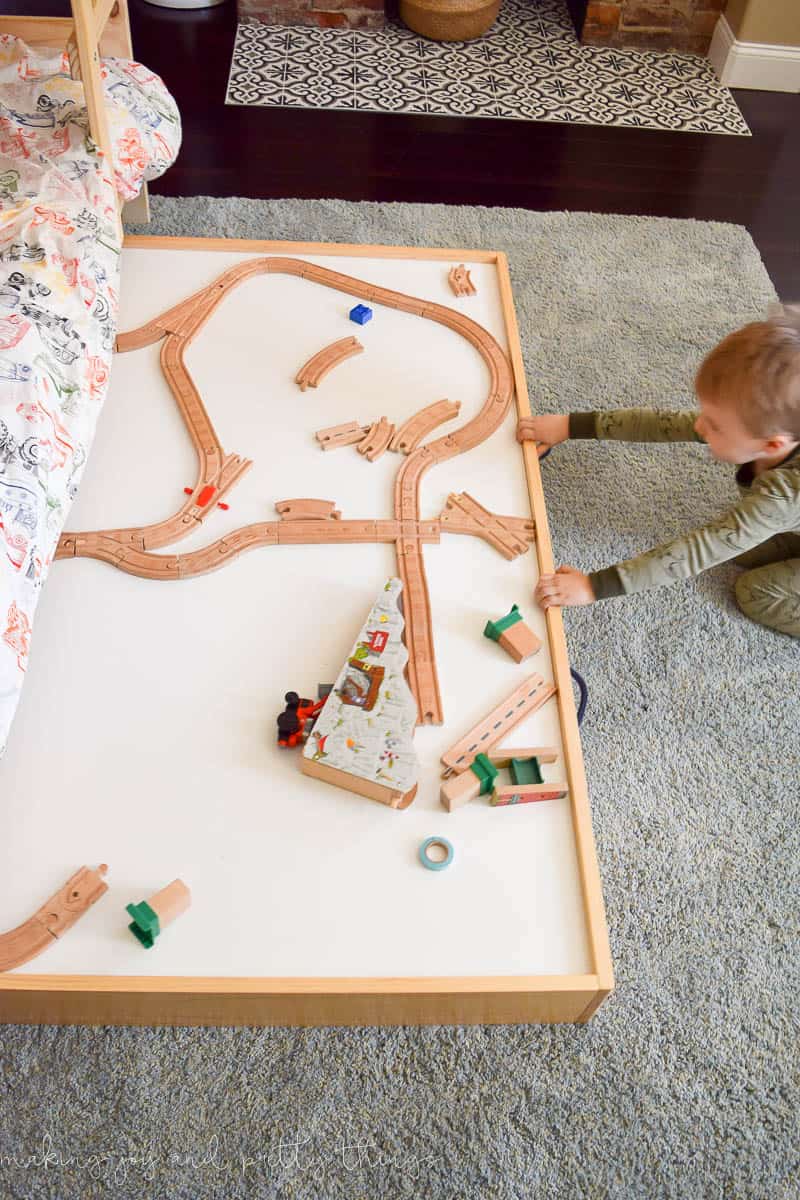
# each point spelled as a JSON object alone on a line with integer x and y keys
{"x": 156, "y": 1000}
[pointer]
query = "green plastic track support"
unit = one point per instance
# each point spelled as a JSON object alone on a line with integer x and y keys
{"x": 494, "y": 629}
{"x": 525, "y": 770}
{"x": 145, "y": 925}
{"x": 486, "y": 772}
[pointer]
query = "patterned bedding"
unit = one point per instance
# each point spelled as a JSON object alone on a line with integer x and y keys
{"x": 59, "y": 276}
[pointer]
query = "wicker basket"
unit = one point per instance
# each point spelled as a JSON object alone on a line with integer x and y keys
{"x": 449, "y": 20}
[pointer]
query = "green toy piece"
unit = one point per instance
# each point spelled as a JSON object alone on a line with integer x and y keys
{"x": 525, "y": 770}
{"x": 486, "y": 772}
{"x": 494, "y": 629}
{"x": 145, "y": 924}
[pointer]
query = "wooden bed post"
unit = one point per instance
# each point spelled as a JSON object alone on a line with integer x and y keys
{"x": 83, "y": 48}
{"x": 95, "y": 30}
{"x": 115, "y": 42}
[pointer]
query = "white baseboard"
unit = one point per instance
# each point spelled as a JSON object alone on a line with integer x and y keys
{"x": 755, "y": 65}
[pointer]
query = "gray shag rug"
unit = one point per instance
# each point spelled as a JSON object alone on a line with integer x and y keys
{"x": 685, "y": 1084}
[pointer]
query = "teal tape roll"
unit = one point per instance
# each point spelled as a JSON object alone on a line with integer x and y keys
{"x": 431, "y": 863}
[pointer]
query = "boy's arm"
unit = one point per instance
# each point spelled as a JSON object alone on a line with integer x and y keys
{"x": 771, "y": 506}
{"x": 635, "y": 425}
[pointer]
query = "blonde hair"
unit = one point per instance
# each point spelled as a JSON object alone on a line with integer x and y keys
{"x": 757, "y": 371}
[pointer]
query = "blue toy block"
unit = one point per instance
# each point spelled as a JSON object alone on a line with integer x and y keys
{"x": 361, "y": 314}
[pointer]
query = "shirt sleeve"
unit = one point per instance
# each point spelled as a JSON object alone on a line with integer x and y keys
{"x": 771, "y": 506}
{"x": 636, "y": 425}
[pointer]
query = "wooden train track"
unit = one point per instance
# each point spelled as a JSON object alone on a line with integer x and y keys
{"x": 508, "y": 535}
{"x": 411, "y": 433}
{"x": 377, "y": 440}
{"x": 313, "y": 372}
{"x": 524, "y": 700}
{"x": 293, "y": 532}
{"x": 348, "y": 434}
{"x": 307, "y": 510}
{"x": 461, "y": 282}
{"x": 53, "y": 919}
{"x": 131, "y": 549}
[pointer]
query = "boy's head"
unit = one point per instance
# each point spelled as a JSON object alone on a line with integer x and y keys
{"x": 749, "y": 390}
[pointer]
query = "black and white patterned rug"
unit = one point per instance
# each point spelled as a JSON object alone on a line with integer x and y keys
{"x": 529, "y": 67}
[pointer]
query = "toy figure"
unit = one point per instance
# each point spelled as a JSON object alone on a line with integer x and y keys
{"x": 297, "y": 720}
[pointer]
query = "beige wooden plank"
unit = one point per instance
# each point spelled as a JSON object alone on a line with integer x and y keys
{"x": 101, "y": 11}
{"x": 115, "y": 39}
{"x": 136, "y": 1000}
{"x": 89, "y": 56}
{"x": 573, "y": 757}
{"x": 38, "y": 31}
{"x": 335, "y": 249}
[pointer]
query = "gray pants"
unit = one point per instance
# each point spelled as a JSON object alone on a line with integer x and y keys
{"x": 769, "y": 590}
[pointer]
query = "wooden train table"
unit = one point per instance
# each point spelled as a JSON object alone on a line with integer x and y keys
{"x": 263, "y": 465}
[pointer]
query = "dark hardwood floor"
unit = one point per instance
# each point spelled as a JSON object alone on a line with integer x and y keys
{"x": 259, "y": 152}
{"x": 368, "y": 156}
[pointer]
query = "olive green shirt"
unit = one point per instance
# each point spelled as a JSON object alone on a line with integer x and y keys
{"x": 769, "y": 504}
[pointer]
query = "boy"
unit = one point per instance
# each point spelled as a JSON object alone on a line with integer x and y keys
{"x": 748, "y": 389}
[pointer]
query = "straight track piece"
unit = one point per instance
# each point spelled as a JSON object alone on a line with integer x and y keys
{"x": 525, "y": 699}
{"x": 295, "y": 533}
{"x": 422, "y": 675}
{"x": 341, "y": 435}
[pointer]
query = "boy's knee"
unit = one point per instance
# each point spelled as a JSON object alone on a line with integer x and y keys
{"x": 770, "y": 596}
{"x": 747, "y": 595}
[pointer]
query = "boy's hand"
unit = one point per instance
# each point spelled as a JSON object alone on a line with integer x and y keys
{"x": 567, "y": 588}
{"x": 546, "y": 431}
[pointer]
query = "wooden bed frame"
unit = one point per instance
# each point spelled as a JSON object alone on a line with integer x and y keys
{"x": 158, "y": 1000}
{"x": 97, "y": 28}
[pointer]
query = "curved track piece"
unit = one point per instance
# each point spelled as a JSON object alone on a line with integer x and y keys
{"x": 315, "y": 370}
{"x": 307, "y": 510}
{"x": 53, "y": 919}
{"x": 217, "y": 472}
{"x": 128, "y": 549}
{"x": 377, "y": 440}
{"x": 412, "y": 431}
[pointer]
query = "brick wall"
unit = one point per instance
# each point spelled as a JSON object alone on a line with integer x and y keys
{"x": 650, "y": 24}
{"x": 328, "y": 14}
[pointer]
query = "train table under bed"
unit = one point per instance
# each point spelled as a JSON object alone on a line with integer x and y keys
{"x": 267, "y": 469}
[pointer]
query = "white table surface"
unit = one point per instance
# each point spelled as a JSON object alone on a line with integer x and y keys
{"x": 146, "y": 733}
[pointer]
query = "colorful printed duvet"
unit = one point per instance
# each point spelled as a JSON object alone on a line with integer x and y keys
{"x": 59, "y": 267}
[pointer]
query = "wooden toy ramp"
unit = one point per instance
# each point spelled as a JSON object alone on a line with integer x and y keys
{"x": 309, "y": 902}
